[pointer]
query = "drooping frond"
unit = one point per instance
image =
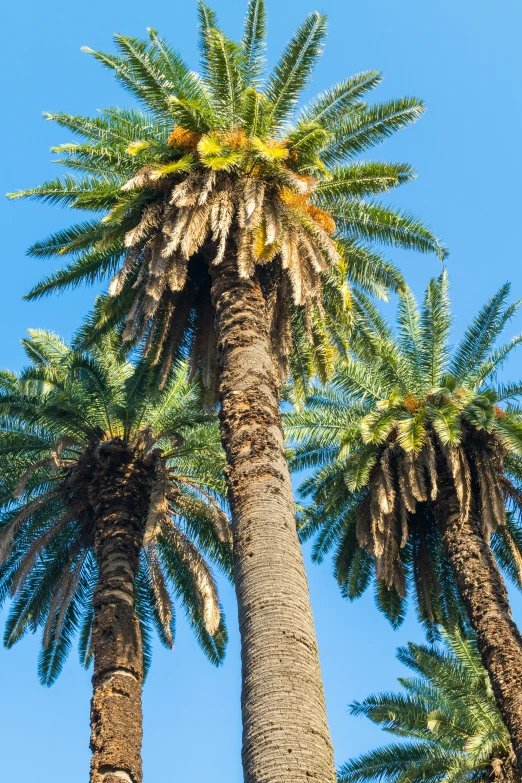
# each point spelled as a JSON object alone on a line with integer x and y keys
{"x": 375, "y": 223}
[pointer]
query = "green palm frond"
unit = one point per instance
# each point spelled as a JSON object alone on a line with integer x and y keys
{"x": 372, "y": 125}
{"x": 115, "y": 128}
{"x": 372, "y": 222}
{"x": 448, "y": 714}
{"x": 87, "y": 193}
{"x": 291, "y": 74}
{"x": 332, "y": 105}
{"x": 367, "y": 272}
{"x": 223, "y": 76}
{"x": 207, "y": 20}
{"x": 89, "y": 267}
{"x": 480, "y": 338}
{"x": 253, "y": 44}
{"x": 399, "y": 762}
{"x": 74, "y": 239}
{"x": 180, "y": 78}
{"x": 362, "y": 179}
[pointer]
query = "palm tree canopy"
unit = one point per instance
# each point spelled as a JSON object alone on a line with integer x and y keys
{"x": 225, "y": 156}
{"x": 56, "y": 418}
{"x": 447, "y": 712}
{"x": 405, "y": 410}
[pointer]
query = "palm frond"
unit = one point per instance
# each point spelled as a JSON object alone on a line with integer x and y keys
{"x": 253, "y": 44}
{"x": 357, "y": 132}
{"x": 292, "y": 72}
{"x": 332, "y": 105}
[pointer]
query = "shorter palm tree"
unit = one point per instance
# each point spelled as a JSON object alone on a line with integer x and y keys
{"x": 111, "y": 495}
{"x": 448, "y": 713}
{"x": 418, "y": 452}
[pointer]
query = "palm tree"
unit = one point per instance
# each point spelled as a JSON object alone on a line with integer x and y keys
{"x": 231, "y": 226}
{"x": 110, "y": 499}
{"x": 417, "y": 456}
{"x": 448, "y": 713}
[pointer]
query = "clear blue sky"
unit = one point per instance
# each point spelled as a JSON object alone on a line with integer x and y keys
{"x": 464, "y": 59}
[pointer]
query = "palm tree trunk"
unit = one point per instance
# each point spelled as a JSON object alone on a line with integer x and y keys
{"x": 116, "y": 713}
{"x": 504, "y": 770}
{"x": 484, "y": 595}
{"x": 285, "y": 731}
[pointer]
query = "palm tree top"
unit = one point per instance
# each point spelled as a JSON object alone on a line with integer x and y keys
{"x": 404, "y": 380}
{"x": 63, "y": 420}
{"x": 448, "y": 714}
{"x": 222, "y": 158}
{"x": 403, "y": 408}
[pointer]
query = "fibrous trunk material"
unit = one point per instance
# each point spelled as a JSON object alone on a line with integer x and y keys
{"x": 504, "y": 770}
{"x": 116, "y": 711}
{"x": 484, "y": 595}
{"x": 285, "y": 731}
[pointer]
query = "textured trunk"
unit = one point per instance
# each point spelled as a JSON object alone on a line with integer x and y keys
{"x": 485, "y": 597}
{"x": 285, "y": 730}
{"x": 504, "y": 770}
{"x": 116, "y": 714}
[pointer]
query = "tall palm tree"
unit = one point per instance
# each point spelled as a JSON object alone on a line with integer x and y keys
{"x": 110, "y": 501}
{"x": 418, "y": 451}
{"x": 231, "y": 225}
{"x": 448, "y": 713}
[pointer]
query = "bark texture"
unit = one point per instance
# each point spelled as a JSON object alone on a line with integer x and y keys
{"x": 504, "y": 770}
{"x": 485, "y": 597}
{"x": 118, "y": 497}
{"x": 285, "y": 731}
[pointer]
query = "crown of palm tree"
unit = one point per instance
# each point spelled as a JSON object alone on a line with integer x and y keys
{"x": 449, "y": 714}
{"x": 62, "y": 420}
{"x": 393, "y": 421}
{"x": 222, "y": 160}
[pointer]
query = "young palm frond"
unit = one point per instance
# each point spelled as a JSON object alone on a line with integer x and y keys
{"x": 62, "y": 420}
{"x": 222, "y": 164}
{"x": 394, "y": 423}
{"x": 447, "y": 713}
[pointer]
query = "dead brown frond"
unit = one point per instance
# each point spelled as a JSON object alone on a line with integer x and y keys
{"x": 163, "y": 602}
{"x": 202, "y": 576}
{"x": 492, "y": 509}
{"x": 204, "y": 215}
{"x": 158, "y": 509}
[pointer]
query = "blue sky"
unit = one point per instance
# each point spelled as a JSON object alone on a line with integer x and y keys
{"x": 464, "y": 59}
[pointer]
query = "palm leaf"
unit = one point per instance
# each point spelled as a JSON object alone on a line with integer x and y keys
{"x": 292, "y": 72}
{"x": 253, "y": 44}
